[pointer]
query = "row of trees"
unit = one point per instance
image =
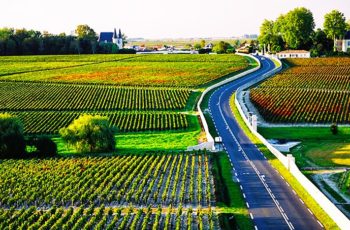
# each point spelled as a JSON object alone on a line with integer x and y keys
{"x": 295, "y": 30}
{"x": 31, "y": 42}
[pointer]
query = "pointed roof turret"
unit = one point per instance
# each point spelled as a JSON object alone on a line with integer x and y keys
{"x": 120, "y": 34}
{"x": 115, "y": 33}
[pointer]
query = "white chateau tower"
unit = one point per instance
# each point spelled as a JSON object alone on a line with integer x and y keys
{"x": 118, "y": 39}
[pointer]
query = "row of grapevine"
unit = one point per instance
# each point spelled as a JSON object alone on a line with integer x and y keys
{"x": 107, "y": 218}
{"x": 39, "y": 122}
{"x": 302, "y": 105}
{"x": 152, "y": 179}
{"x": 41, "y": 96}
{"x": 311, "y": 91}
{"x": 317, "y": 62}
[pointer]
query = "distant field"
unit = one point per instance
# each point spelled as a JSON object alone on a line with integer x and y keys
{"x": 140, "y": 70}
{"x": 311, "y": 91}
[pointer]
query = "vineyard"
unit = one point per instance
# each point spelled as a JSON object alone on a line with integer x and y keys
{"x": 145, "y": 70}
{"x": 107, "y": 218}
{"x": 41, "y": 96}
{"x": 50, "y": 122}
{"x": 150, "y": 179}
{"x": 311, "y": 91}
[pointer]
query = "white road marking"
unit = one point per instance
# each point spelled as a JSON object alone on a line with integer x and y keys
{"x": 247, "y": 204}
{"x": 309, "y": 211}
{"x": 301, "y": 201}
{"x": 241, "y": 187}
{"x": 320, "y": 223}
{"x": 244, "y": 195}
{"x": 251, "y": 216}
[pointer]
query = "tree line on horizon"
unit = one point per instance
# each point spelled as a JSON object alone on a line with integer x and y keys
{"x": 296, "y": 30}
{"x": 32, "y": 42}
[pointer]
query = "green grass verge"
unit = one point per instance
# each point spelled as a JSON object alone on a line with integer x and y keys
{"x": 302, "y": 193}
{"x": 319, "y": 146}
{"x": 192, "y": 101}
{"x": 229, "y": 199}
{"x": 299, "y": 133}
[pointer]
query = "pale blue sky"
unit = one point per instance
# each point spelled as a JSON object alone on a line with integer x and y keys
{"x": 158, "y": 18}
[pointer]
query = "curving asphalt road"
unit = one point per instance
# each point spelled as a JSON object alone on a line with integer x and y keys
{"x": 272, "y": 203}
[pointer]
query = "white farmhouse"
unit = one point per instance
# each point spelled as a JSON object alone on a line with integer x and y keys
{"x": 293, "y": 54}
{"x": 344, "y": 44}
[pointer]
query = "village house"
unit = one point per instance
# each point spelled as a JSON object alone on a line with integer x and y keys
{"x": 344, "y": 43}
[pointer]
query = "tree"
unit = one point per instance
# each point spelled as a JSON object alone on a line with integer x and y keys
{"x": 43, "y": 146}
{"x": 222, "y": 47}
{"x": 202, "y": 43}
{"x": 90, "y": 133}
{"x": 12, "y": 144}
{"x": 197, "y": 46}
{"x": 85, "y": 31}
{"x": 334, "y": 25}
{"x": 348, "y": 24}
{"x": 321, "y": 45}
{"x": 296, "y": 27}
{"x": 267, "y": 36}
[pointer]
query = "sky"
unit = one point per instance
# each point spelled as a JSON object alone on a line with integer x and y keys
{"x": 158, "y": 18}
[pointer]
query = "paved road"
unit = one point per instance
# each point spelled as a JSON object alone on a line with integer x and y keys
{"x": 272, "y": 203}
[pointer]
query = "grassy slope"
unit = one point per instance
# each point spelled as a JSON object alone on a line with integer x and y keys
{"x": 229, "y": 196}
{"x": 302, "y": 193}
{"x": 318, "y": 146}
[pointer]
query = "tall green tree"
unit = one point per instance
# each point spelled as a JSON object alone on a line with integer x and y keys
{"x": 267, "y": 36}
{"x": 90, "y": 133}
{"x": 85, "y": 31}
{"x": 334, "y": 25}
{"x": 296, "y": 27}
{"x": 12, "y": 144}
{"x": 223, "y": 47}
{"x": 321, "y": 45}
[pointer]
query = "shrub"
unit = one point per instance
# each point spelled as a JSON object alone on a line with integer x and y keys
{"x": 334, "y": 129}
{"x": 90, "y": 133}
{"x": 43, "y": 146}
{"x": 12, "y": 144}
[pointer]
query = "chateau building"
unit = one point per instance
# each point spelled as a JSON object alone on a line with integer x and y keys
{"x": 112, "y": 37}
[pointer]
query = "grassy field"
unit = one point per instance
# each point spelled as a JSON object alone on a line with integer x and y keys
{"x": 319, "y": 146}
{"x": 302, "y": 193}
{"x": 310, "y": 91}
